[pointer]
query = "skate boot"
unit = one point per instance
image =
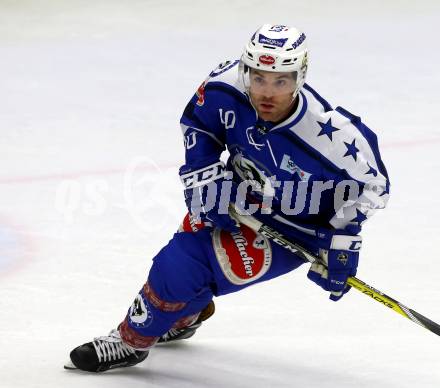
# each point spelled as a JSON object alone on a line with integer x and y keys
{"x": 185, "y": 332}
{"x": 105, "y": 353}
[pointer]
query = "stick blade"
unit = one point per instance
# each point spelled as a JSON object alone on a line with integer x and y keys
{"x": 426, "y": 323}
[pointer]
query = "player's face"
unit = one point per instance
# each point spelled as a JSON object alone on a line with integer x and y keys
{"x": 271, "y": 93}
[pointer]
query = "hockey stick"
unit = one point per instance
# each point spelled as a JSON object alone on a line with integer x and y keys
{"x": 359, "y": 285}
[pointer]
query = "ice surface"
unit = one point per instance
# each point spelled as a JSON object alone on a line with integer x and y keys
{"x": 90, "y": 98}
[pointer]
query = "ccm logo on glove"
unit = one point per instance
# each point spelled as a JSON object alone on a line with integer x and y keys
{"x": 203, "y": 176}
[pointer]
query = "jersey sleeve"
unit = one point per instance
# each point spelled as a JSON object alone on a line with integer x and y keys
{"x": 202, "y": 136}
{"x": 204, "y": 121}
{"x": 350, "y": 153}
{"x": 368, "y": 180}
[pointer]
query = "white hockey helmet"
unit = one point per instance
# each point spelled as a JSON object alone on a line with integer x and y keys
{"x": 276, "y": 48}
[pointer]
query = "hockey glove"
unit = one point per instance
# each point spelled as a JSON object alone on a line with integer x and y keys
{"x": 208, "y": 192}
{"x": 340, "y": 256}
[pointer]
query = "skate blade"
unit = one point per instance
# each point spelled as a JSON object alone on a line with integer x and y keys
{"x": 69, "y": 365}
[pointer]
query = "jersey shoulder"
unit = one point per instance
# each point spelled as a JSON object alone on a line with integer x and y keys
{"x": 222, "y": 89}
{"x": 340, "y": 137}
{"x": 226, "y": 73}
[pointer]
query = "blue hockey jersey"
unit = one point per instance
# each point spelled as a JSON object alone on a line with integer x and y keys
{"x": 320, "y": 166}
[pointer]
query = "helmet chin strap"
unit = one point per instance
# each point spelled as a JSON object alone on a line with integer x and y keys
{"x": 295, "y": 93}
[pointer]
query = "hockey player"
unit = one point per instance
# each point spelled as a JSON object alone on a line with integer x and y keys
{"x": 302, "y": 167}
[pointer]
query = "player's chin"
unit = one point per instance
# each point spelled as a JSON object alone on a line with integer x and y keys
{"x": 266, "y": 115}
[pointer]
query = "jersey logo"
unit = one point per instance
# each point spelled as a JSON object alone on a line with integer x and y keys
{"x": 247, "y": 171}
{"x": 289, "y": 165}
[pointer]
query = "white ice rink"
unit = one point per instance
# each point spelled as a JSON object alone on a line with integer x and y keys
{"x": 90, "y": 97}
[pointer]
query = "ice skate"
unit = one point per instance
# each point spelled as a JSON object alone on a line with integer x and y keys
{"x": 186, "y": 332}
{"x": 103, "y": 353}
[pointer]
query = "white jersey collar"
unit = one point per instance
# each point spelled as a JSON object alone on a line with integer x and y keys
{"x": 295, "y": 116}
